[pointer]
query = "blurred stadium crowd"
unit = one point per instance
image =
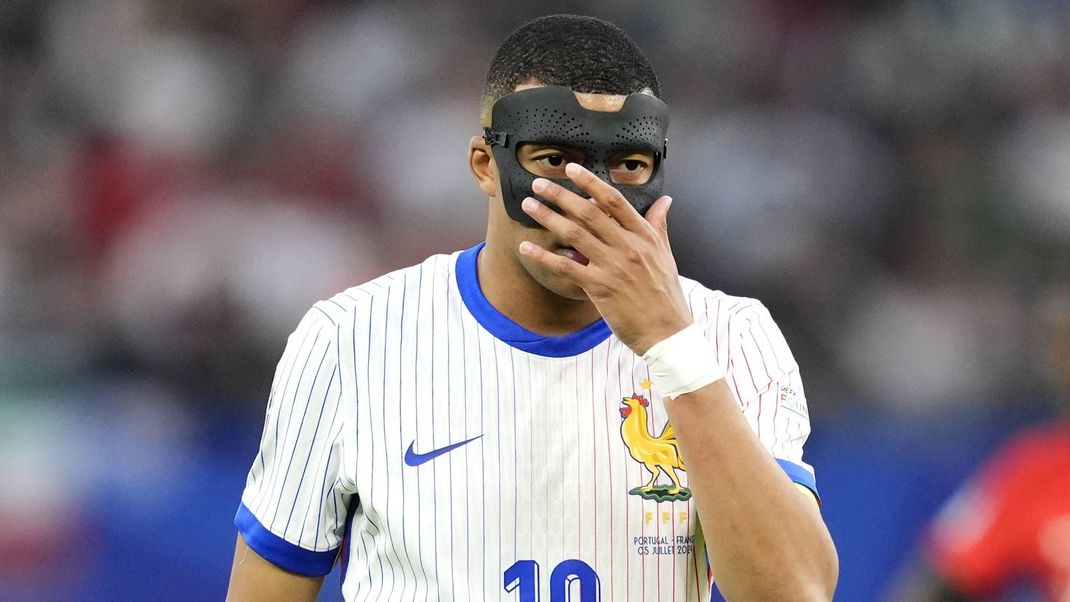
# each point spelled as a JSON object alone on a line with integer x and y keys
{"x": 180, "y": 180}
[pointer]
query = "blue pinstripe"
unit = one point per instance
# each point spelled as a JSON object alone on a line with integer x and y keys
{"x": 300, "y": 429}
{"x": 323, "y": 483}
{"x": 371, "y": 446}
{"x": 372, "y": 431}
{"x": 347, "y": 538}
{"x": 289, "y": 376}
{"x": 579, "y": 468}
{"x": 385, "y": 531}
{"x": 482, "y": 455}
{"x": 434, "y": 473}
{"x": 278, "y": 417}
{"x": 386, "y": 446}
{"x": 449, "y": 434}
{"x": 364, "y": 544}
{"x": 498, "y": 416}
{"x": 516, "y": 436}
{"x": 383, "y": 526}
{"x": 282, "y": 486}
{"x": 467, "y": 460}
{"x": 263, "y": 435}
{"x": 531, "y": 463}
{"x": 341, "y": 396}
{"x": 327, "y": 315}
{"x": 356, "y": 380}
{"x": 416, "y": 425}
{"x": 334, "y": 500}
{"x": 304, "y": 470}
{"x": 401, "y": 373}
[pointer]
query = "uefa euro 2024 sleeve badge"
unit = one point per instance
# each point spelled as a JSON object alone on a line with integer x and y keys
{"x": 659, "y": 454}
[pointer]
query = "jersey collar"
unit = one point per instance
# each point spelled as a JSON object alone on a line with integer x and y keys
{"x": 512, "y": 333}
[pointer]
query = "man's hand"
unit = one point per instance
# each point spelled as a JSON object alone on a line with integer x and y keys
{"x": 631, "y": 276}
{"x": 763, "y": 541}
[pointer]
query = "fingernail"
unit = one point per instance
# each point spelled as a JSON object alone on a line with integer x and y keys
{"x": 572, "y": 169}
{"x": 526, "y": 247}
{"x": 668, "y": 203}
{"x": 539, "y": 184}
{"x": 529, "y": 204}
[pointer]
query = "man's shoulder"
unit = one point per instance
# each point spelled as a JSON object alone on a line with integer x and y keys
{"x": 715, "y": 305}
{"x": 357, "y": 299}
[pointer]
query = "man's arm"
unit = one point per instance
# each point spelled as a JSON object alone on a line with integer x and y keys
{"x": 292, "y": 516}
{"x": 253, "y": 579}
{"x": 764, "y": 539}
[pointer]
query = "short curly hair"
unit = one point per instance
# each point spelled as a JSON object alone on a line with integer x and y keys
{"x": 583, "y": 53}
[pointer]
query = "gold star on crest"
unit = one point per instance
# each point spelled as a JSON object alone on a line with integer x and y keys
{"x": 646, "y": 384}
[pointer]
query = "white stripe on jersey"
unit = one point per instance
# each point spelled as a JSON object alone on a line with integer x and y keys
{"x": 461, "y": 457}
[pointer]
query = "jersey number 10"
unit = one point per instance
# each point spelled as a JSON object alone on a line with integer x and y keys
{"x": 524, "y": 576}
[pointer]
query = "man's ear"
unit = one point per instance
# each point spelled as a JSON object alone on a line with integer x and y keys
{"x": 484, "y": 170}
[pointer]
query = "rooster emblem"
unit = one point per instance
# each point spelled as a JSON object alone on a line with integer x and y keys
{"x": 658, "y": 454}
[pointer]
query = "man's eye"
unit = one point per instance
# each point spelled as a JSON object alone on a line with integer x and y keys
{"x": 632, "y": 171}
{"x": 554, "y": 160}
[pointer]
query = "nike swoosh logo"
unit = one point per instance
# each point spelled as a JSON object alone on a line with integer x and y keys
{"x": 414, "y": 459}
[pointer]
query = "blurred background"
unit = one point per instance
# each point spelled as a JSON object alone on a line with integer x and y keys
{"x": 181, "y": 179}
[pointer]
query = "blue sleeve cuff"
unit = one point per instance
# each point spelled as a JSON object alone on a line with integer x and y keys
{"x": 800, "y": 475}
{"x": 280, "y": 552}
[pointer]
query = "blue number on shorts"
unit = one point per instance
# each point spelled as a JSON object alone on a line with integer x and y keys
{"x": 524, "y": 575}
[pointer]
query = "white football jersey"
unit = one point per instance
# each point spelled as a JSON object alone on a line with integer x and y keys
{"x": 440, "y": 451}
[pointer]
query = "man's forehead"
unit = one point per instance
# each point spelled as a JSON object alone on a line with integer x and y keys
{"x": 591, "y": 101}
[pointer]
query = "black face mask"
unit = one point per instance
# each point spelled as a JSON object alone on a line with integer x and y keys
{"x": 553, "y": 116}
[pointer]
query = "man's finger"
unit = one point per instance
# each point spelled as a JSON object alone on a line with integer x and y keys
{"x": 658, "y": 216}
{"x": 610, "y": 199}
{"x": 571, "y": 233}
{"x": 555, "y": 263}
{"x": 587, "y": 213}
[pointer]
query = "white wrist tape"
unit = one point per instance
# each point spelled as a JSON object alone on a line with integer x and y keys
{"x": 683, "y": 363}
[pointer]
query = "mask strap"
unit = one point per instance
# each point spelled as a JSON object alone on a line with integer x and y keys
{"x": 493, "y": 138}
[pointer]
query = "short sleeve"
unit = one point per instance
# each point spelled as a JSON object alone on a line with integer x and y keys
{"x": 765, "y": 378}
{"x": 293, "y": 509}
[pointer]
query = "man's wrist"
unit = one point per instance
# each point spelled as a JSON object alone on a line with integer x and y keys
{"x": 683, "y": 363}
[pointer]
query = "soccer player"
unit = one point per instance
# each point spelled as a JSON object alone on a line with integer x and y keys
{"x": 554, "y": 414}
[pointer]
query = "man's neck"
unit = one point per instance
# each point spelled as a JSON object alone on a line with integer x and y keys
{"x": 516, "y": 294}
